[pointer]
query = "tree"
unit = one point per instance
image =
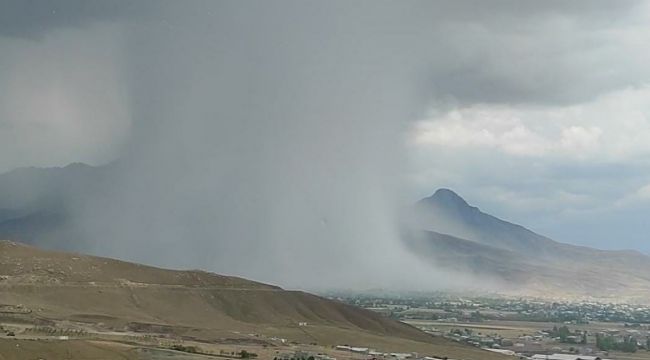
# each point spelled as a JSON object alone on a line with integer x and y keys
{"x": 606, "y": 343}
{"x": 476, "y": 316}
{"x": 563, "y": 333}
{"x": 629, "y": 344}
{"x": 247, "y": 355}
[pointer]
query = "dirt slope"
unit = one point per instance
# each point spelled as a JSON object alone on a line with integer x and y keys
{"x": 121, "y": 296}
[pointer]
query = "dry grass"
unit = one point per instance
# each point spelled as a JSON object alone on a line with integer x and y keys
{"x": 73, "y": 350}
{"x": 108, "y": 295}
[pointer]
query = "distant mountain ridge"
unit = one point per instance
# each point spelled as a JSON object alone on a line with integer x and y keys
{"x": 33, "y": 200}
{"x": 36, "y": 203}
{"x": 452, "y": 234}
{"x": 446, "y": 212}
{"x": 443, "y": 229}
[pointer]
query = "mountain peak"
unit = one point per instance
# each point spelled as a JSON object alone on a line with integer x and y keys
{"x": 77, "y": 165}
{"x": 447, "y": 197}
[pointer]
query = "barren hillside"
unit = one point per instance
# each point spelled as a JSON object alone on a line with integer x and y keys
{"x": 43, "y": 287}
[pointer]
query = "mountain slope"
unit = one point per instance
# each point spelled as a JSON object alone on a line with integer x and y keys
{"x": 453, "y": 234}
{"x": 446, "y": 212}
{"x": 23, "y": 266}
{"x": 112, "y": 295}
{"x": 467, "y": 256}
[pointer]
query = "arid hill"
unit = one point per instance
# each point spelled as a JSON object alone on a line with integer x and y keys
{"x": 23, "y": 264}
{"x": 114, "y": 296}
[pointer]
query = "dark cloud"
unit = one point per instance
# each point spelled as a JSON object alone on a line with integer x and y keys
{"x": 34, "y": 18}
{"x": 498, "y": 51}
{"x": 514, "y": 52}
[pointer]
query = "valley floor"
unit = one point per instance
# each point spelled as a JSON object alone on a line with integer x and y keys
{"x": 78, "y": 341}
{"x": 523, "y": 327}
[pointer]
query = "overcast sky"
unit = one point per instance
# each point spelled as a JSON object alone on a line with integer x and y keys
{"x": 537, "y": 112}
{"x": 546, "y": 121}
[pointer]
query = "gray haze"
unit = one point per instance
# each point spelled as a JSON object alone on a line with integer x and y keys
{"x": 267, "y": 138}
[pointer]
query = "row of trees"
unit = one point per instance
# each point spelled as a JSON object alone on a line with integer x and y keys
{"x": 566, "y": 336}
{"x": 603, "y": 342}
{"x": 195, "y": 350}
{"x": 607, "y": 343}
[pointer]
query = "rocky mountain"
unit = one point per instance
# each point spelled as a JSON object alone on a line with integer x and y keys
{"x": 448, "y": 213}
{"x": 452, "y": 234}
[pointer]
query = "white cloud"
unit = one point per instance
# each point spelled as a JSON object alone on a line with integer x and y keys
{"x": 578, "y": 138}
{"x": 644, "y": 192}
{"x": 612, "y": 127}
{"x": 638, "y": 196}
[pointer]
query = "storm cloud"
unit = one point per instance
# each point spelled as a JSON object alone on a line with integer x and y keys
{"x": 34, "y": 19}
{"x": 272, "y": 139}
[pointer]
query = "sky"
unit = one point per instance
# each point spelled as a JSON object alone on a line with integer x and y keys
{"x": 268, "y": 123}
{"x": 551, "y": 128}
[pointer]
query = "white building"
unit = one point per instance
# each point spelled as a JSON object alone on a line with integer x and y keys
{"x": 565, "y": 357}
{"x": 501, "y": 351}
{"x": 358, "y": 350}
